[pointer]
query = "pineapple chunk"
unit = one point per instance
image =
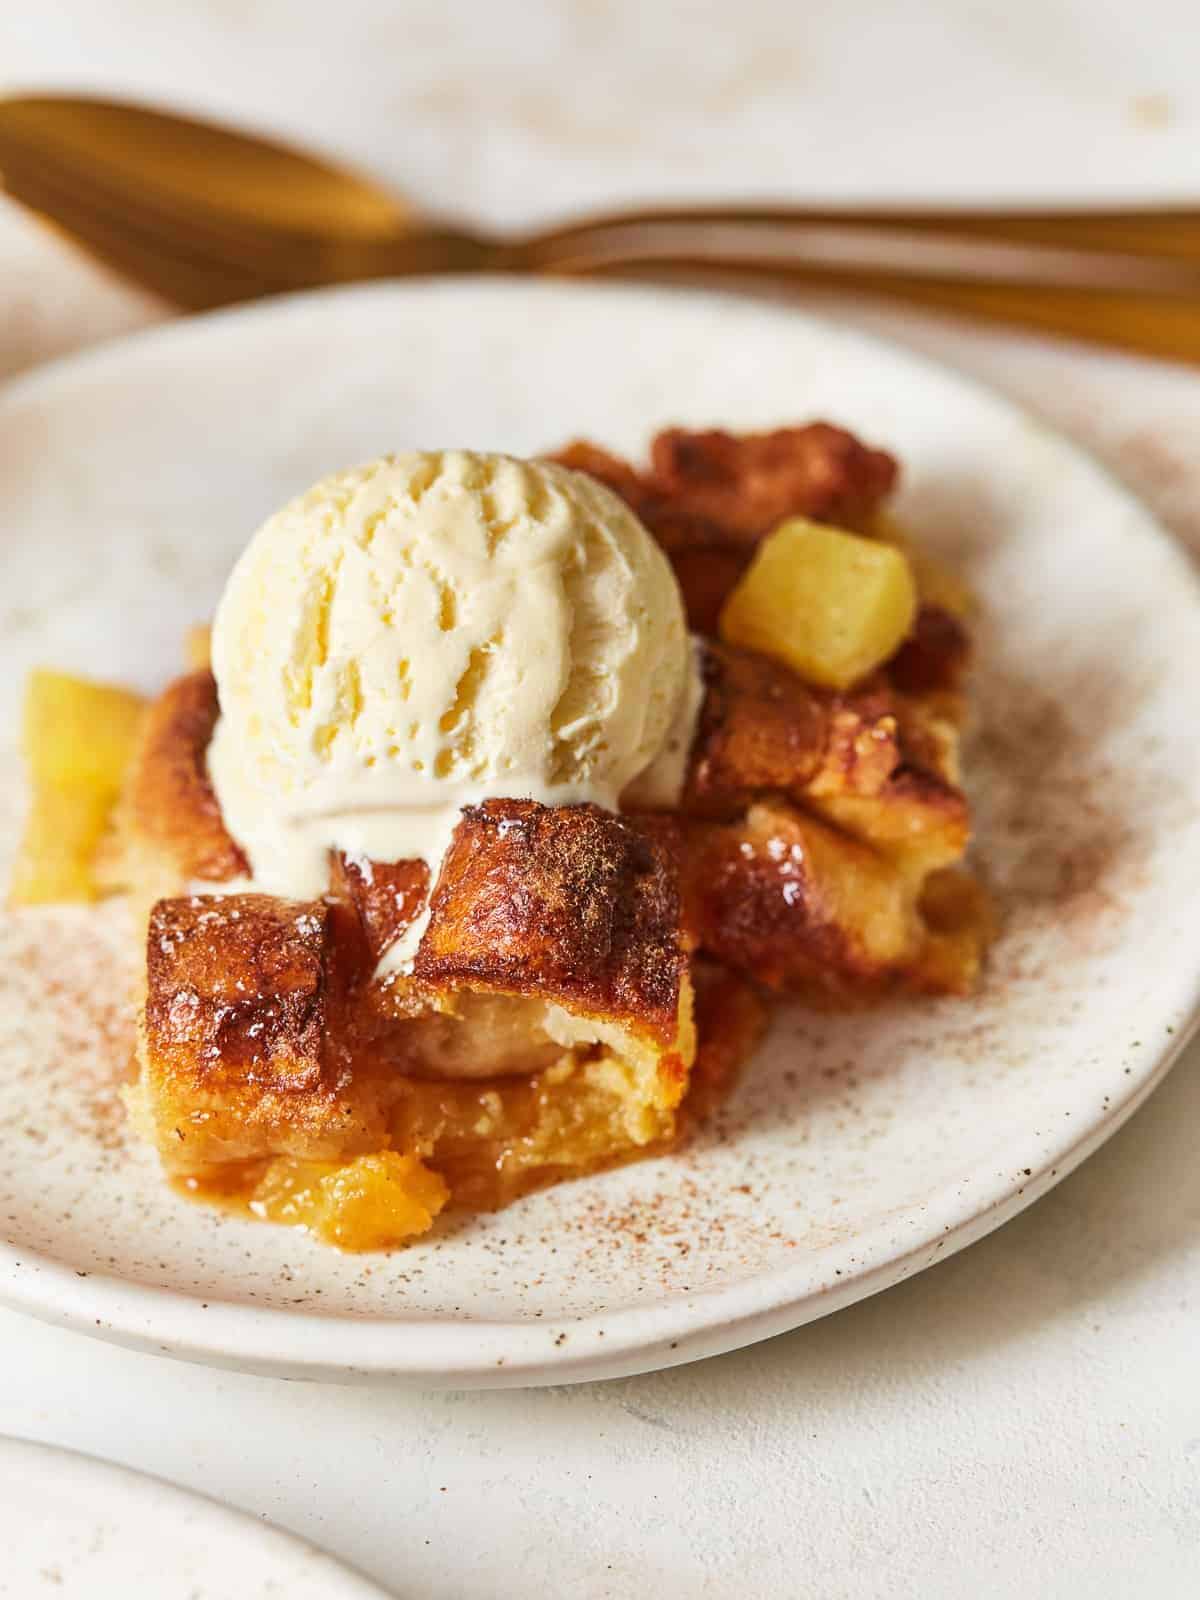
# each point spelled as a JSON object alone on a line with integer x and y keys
{"x": 78, "y": 739}
{"x": 830, "y": 605}
{"x": 78, "y": 732}
{"x": 366, "y": 1204}
{"x": 54, "y": 860}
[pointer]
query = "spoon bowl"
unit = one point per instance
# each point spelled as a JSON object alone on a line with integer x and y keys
{"x": 253, "y": 181}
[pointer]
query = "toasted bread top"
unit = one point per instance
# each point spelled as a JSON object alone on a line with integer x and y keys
{"x": 570, "y": 903}
{"x": 170, "y": 803}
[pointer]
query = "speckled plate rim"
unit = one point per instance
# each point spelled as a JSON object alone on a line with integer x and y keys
{"x": 279, "y": 1556}
{"x": 433, "y": 1352}
{"x": 429, "y": 1353}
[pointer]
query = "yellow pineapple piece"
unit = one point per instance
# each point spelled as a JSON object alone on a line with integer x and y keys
{"x": 77, "y": 731}
{"x": 830, "y": 605}
{"x": 78, "y": 739}
{"x": 54, "y": 859}
{"x": 366, "y": 1204}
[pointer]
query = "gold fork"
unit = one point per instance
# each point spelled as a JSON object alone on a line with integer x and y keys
{"x": 207, "y": 215}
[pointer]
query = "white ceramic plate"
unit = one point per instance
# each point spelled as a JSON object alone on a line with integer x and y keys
{"x": 859, "y": 1148}
{"x": 82, "y": 1529}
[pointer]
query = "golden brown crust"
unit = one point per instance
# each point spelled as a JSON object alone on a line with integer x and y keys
{"x": 934, "y": 657}
{"x": 918, "y": 821}
{"x": 570, "y": 903}
{"x": 264, "y": 1036}
{"x": 170, "y": 804}
{"x": 795, "y": 903}
{"x": 742, "y": 485}
{"x": 709, "y": 496}
{"x": 261, "y": 1039}
{"x": 762, "y": 729}
{"x": 731, "y": 1018}
{"x": 239, "y": 985}
{"x": 748, "y": 483}
{"x": 241, "y": 1053}
{"x": 388, "y": 896}
{"x": 880, "y": 766}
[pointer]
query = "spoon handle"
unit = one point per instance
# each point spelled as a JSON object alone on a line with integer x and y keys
{"x": 1143, "y": 322}
{"x": 1166, "y": 233}
{"x": 1104, "y": 277}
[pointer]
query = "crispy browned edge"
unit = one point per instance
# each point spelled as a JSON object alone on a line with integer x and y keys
{"x": 569, "y": 903}
{"x": 242, "y": 1051}
{"x": 169, "y": 804}
{"x": 762, "y": 729}
{"x": 241, "y": 983}
{"x": 388, "y": 896}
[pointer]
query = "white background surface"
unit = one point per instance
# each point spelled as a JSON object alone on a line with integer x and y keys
{"x": 76, "y": 1525}
{"x": 1024, "y": 1419}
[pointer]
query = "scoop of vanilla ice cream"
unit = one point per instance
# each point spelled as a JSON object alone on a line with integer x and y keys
{"x": 429, "y": 630}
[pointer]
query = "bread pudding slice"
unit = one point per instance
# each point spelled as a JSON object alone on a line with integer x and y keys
{"x": 545, "y": 1028}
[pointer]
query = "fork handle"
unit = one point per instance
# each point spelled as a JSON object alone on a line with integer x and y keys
{"x": 1148, "y": 321}
{"x": 1165, "y": 233}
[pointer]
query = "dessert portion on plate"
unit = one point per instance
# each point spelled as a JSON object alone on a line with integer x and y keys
{"x": 467, "y": 851}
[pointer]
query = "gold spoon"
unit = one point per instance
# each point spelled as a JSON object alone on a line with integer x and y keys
{"x": 206, "y": 216}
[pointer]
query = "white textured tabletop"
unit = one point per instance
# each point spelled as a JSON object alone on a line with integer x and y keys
{"x": 1026, "y": 1417}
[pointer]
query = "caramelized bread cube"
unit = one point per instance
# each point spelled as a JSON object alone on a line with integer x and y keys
{"x": 236, "y": 1052}
{"x": 791, "y": 901}
{"x": 881, "y": 767}
{"x": 750, "y": 482}
{"x": 388, "y": 896}
{"x": 239, "y": 984}
{"x": 918, "y": 821}
{"x": 742, "y": 485}
{"x": 270, "y": 1062}
{"x": 567, "y": 903}
{"x": 934, "y": 657}
{"x": 762, "y": 729}
{"x": 172, "y": 820}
